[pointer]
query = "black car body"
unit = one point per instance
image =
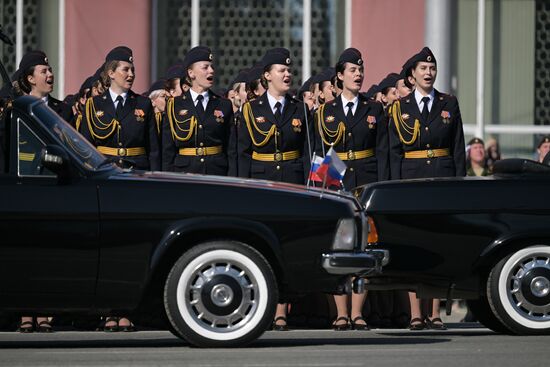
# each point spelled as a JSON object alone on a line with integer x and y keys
{"x": 484, "y": 239}
{"x": 80, "y": 235}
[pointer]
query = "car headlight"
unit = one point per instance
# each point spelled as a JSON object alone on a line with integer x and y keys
{"x": 346, "y": 234}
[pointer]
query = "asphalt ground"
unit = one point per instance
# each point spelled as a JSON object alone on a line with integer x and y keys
{"x": 461, "y": 345}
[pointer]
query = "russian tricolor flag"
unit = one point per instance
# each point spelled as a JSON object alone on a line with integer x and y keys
{"x": 329, "y": 170}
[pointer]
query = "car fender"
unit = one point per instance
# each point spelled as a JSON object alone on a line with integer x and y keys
{"x": 509, "y": 243}
{"x": 243, "y": 228}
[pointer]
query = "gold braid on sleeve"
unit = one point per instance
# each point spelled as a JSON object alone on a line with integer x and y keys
{"x": 94, "y": 122}
{"x": 175, "y": 124}
{"x": 251, "y": 124}
{"x": 326, "y": 133}
{"x": 401, "y": 125}
{"x": 158, "y": 120}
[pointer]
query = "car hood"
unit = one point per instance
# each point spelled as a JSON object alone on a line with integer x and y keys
{"x": 199, "y": 179}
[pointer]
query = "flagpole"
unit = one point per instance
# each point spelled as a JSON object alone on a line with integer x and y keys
{"x": 310, "y": 168}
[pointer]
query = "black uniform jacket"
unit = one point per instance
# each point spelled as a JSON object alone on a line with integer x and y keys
{"x": 62, "y": 109}
{"x": 366, "y": 131}
{"x": 136, "y": 128}
{"x": 260, "y": 132}
{"x": 182, "y": 128}
{"x": 443, "y": 130}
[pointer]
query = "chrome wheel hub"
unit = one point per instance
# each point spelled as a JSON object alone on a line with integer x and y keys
{"x": 540, "y": 286}
{"x": 222, "y": 296}
{"x": 529, "y": 287}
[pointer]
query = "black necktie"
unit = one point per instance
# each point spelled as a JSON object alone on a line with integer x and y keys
{"x": 349, "y": 115}
{"x": 425, "y": 111}
{"x": 200, "y": 108}
{"x": 119, "y": 107}
{"x": 278, "y": 115}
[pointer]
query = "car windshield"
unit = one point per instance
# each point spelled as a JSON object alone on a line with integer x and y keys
{"x": 69, "y": 137}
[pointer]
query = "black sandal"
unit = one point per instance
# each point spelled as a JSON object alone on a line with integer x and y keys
{"x": 356, "y": 326}
{"x": 127, "y": 328}
{"x": 435, "y": 324}
{"x": 341, "y": 327}
{"x": 26, "y": 327}
{"x": 113, "y": 328}
{"x": 417, "y": 324}
{"x": 44, "y": 327}
{"x": 279, "y": 327}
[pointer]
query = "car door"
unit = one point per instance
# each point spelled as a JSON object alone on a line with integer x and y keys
{"x": 48, "y": 229}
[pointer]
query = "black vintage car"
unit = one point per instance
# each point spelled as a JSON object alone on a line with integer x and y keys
{"x": 483, "y": 239}
{"x": 209, "y": 254}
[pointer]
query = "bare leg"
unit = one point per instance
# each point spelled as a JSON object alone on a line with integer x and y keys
{"x": 341, "y": 302}
{"x": 280, "y": 312}
{"x": 415, "y": 309}
{"x": 357, "y": 302}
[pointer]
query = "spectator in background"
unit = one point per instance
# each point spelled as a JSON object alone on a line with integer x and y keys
{"x": 543, "y": 147}
{"x": 493, "y": 153}
{"x": 476, "y": 161}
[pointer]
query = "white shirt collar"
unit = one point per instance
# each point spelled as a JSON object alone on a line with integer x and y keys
{"x": 45, "y": 99}
{"x": 272, "y": 100}
{"x": 194, "y": 96}
{"x": 419, "y": 97}
{"x": 114, "y": 95}
{"x": 346, "y": 101}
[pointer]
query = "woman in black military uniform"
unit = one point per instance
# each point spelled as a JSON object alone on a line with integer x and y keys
{"x": 120, "y": 123}
{"x": 356, "y": 133}
{"x": 36, "y": 78}
{"x": 426, "y": 140}
{"x": 273, "y": 138}
{"x": 197, "y": 125}
{"x": 354, "y": 126}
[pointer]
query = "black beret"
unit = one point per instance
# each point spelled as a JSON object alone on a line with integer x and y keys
{"x": 242, "y": 77}
{"x": 254, "y": 73}
{"x": 544, "y": 139}
{"x": 351, "y": 55}
{"x": 389, "y": 81}
{"x": 175, "y": 71}
{"x": 327, "y": 75}
{"x": 33, "y": 58}
{"x": 407, "y": 67}
{"x": 97, "y": 75}
{"x": 15, "y": 75}
{"x": 120, "y": 53}
{"x": 87, "y": 83}
{"x": 159, "y": 84}
{"x": 306, "y": 86}
{"x": 476, "y": 141}
{"x": 371, "y": 92}
{"x": 196, "y": 54}
{"x": 274, "y": 56}
{"x": 425, "y": 55}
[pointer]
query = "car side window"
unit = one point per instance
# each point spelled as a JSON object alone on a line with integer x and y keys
{"x": 28, "y": 152}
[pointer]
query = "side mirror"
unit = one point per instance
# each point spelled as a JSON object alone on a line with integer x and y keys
{"x": 56, "y": 159}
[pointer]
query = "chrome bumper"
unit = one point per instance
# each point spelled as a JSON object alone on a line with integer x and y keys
{"x": 355, "y": 263}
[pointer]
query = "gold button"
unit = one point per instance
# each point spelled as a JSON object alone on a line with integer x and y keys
{"x": 119, "y": 144}
{"x": 349, "y": 134}
{"x": 278, "y": 133}
{"x": 426, "y": 128}
{"x": 201, "y": 144}
{"x": 120, "y": 161}
{"x": 429, "y": 162}
{"x": 427, "y": 145}
{"x": 200, "y": 127}
{"x": 351, "y": 169}
{"x": 278, "y": 167}
{"x": 202, "y": 159}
